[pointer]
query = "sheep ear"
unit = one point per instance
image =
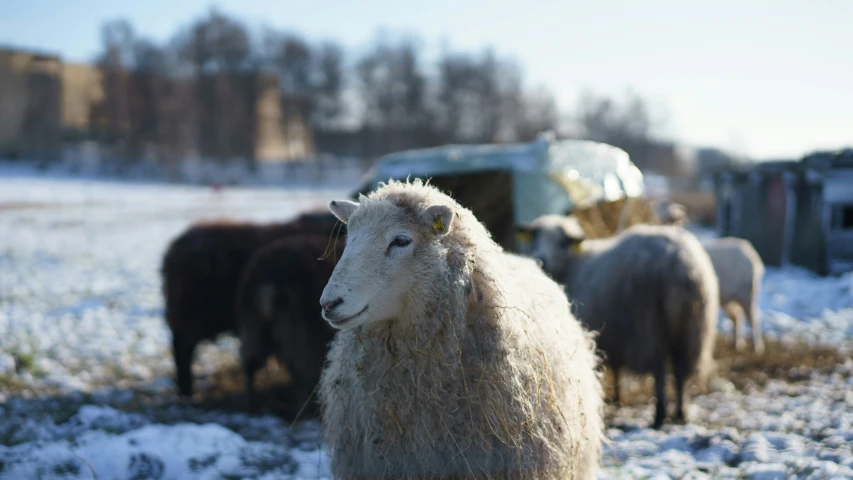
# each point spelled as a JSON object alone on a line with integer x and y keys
{"x": 440, "y": 218}
{"x": 524, "y": 232}
{"x": 343, "y": 209}
{"x": 577, "y": 246}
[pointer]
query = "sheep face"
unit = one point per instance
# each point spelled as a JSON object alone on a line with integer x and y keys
{"x": 554, "y": 240}
{"x": 383, "y": 260}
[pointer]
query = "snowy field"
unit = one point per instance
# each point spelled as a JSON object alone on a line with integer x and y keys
{"x": 85, "y": 363}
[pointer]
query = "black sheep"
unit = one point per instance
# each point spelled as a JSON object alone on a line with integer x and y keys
{"x": 278, "y": 310}
{"x": 201, "y": 270}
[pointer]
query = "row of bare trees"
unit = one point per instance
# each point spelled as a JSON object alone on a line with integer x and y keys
{"x": 201, "y": 89}
{"x": 201, "y": 92}
{"x": 197, "y": 94}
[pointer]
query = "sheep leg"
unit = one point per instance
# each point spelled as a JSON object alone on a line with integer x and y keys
{"x": 735, "y": 315}
{"x": 755, "y": 324}
{"x": 302, "y": 394}
{"x": 250, "y": 368}
{"x": 616, "y": 398}
{"x": 183, "y": 350}
{"x": 660, "y": 392}
{"x": 680, "y": 372}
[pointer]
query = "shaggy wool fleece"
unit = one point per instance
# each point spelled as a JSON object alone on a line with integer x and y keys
{"x": 484, "y": 372}
{"x": 651, "y": 292}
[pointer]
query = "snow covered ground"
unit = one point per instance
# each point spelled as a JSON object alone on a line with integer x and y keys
{"x": 85, "y": 365}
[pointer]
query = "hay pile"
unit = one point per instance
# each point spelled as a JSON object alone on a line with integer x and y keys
{"x": 602, "y": 220}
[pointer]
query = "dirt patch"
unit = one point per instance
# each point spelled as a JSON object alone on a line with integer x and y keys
{"x": 791, "y": 361}
{"x": 6, "y": 206}
{"x": 226, "y": 390}
{"x": 230, "y": 379}
{"x": 746, "y": 370}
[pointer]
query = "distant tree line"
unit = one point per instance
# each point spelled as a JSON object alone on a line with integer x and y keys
{"x": 199, "y": 91}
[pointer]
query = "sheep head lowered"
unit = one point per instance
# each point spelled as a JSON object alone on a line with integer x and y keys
{"x": 554, "y": 240}
{"x": 385, "y": 260}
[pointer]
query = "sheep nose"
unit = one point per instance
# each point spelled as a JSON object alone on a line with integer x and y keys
{"x": 328, "y": 307}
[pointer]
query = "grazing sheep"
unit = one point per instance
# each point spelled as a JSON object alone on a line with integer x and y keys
{"x": 201, "y": 270}
{"x": 277, "y": 311}
{"x": 740, "y": 271}
{"x": 454, "y": 359}
{"x": 650, "y": 292}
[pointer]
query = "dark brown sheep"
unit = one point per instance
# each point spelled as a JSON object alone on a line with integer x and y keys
{"x": 278, "y": 311}
{"x": 201, "y": 270}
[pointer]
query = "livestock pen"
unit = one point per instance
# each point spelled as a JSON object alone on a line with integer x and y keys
{"x": 507, "y": 185}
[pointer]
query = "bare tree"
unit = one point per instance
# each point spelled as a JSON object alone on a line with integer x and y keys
{"x": 329, "y": 71}
{"x": 392, "y": 87}
{"x": 201, "y": 91}
{"x": 40, "y": 133}
{"x": 117, "y": 38}
{"x": 604, "y": 119}
{"x": 630, "y": 126}
{"x": 219, "y": 52}
{"x": 149, "y": 72}
{"x": 292, "y": 61}
{"x": 481, "y": 99}
{"x": 538, "y": 113}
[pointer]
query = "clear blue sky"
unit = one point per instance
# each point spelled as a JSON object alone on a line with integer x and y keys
{"x": 768, "y": 78}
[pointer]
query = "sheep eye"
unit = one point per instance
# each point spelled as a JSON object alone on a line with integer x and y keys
{"x": 400, "y": 241}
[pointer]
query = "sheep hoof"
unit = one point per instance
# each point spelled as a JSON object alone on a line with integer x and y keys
{"x": 659, "y": 418}
{"x": 759, "y": 348}
{"x": 740, "y": 345}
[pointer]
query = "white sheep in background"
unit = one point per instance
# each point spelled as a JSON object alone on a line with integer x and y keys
{"x": 454, "y": 359}
{"x": 740, "y": 271}
{"x": 671, "y": 213}
{"x": 650, "y": 292}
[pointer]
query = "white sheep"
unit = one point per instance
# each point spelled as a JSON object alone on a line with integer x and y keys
{"x": 650, "y": 292}
{"x": 670, "y": 213}
{"x": 454, "y": 359}
{"x": 740, "y": 271}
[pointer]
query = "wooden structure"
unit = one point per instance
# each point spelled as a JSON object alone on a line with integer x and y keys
{"x": 798, "y": 212}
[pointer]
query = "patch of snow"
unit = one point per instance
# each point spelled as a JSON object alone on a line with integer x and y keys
{"x": 117, "y": 444}
{"x": 80, "y": 291}
{"x": 797, "y": 303}
{"x": 81, "y": 309}
{"x": 7, "y": 364}
{"x": 162, "y": 451}
{"x": 799, "y": 429}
